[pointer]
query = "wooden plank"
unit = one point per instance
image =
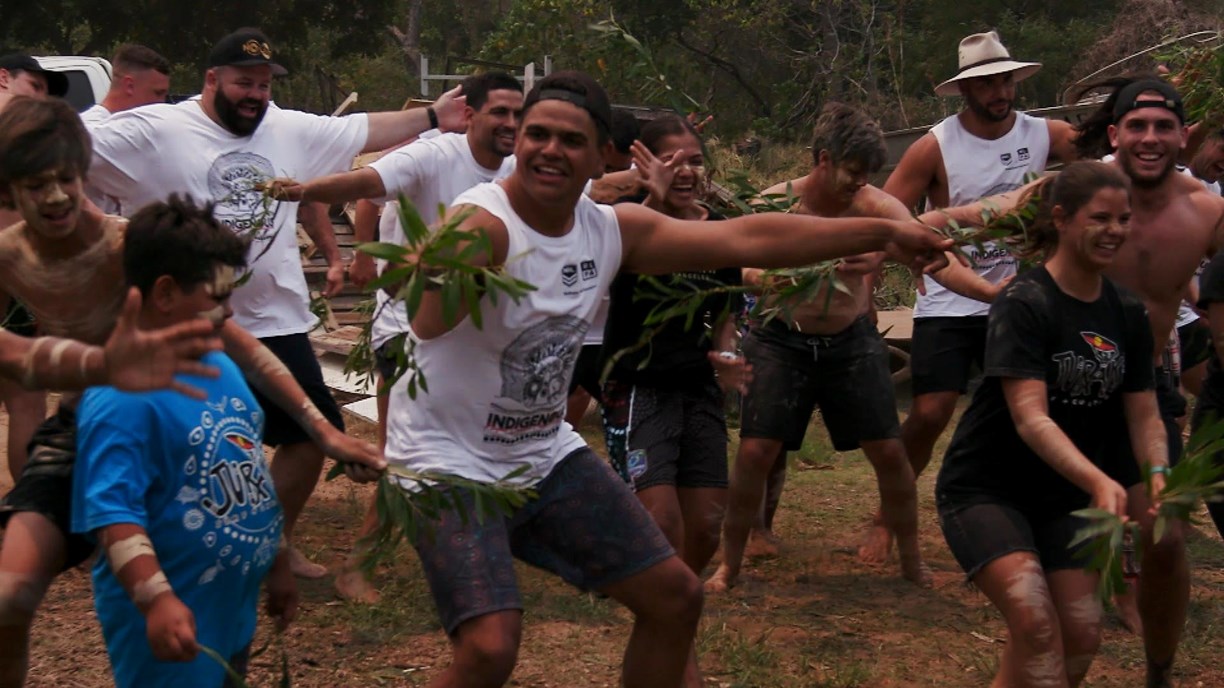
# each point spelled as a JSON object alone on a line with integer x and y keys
{"x": 335, "y": 377}
{"x": 896, "y": 325}
{"x": 340, "y": 341}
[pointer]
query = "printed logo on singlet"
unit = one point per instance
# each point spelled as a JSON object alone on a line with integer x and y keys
{"x": 228, "y": 488}
{"x": 570, "y": 274}
{"x": 233, "y": 182}
{"x": 1084, "y": 381}
{"x": 535, "y": 373}
{"x": 1011, "y": 162}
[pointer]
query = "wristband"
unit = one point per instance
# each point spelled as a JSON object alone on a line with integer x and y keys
{"x": 433, "y": 117}
{"x": 1158, "y": 468}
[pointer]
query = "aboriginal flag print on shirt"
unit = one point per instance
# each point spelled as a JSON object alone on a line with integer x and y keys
{"x": 1087, "y": 353}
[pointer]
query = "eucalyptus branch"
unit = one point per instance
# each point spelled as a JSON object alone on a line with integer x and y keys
{"x": 1197, "y": 478}
{"x": 1198, "y": 74}
{"x": 443, "y": 260}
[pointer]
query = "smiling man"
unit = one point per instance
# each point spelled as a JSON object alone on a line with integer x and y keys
{"x": 1175, "y": 221}
{"x": 497, "y": 402}
{"x": 985, "y": 149}
{"x": 429, "y": 172}
{"x": 221, "y": 147}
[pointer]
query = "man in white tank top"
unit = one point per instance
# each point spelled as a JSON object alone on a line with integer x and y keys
{"x": 429, "y": 172}
{"x": 497, "y": 394}
{"x": 985, "y": 149}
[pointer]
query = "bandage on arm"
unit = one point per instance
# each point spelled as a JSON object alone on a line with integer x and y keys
{"x": 131, "y": 557}
{"x": 1027, "y": 402}
{"x": 51, "y": 362}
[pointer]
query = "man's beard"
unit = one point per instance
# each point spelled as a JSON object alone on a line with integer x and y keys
{"x": 984, "y": 112}
{"x": 237, "y": 123}
{"x": 1146, "y": 182}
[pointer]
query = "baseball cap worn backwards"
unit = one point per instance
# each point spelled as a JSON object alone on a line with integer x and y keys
{"x": 577, "y": 89}
{"x": 244, "y": 48}
{"x": 57, "y": 82}
{"x": 1128, "y": 98}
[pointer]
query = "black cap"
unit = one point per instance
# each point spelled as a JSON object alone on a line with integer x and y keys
{"x": 1128, "y": 98}
{"x": 57, "y": 82}
{"x": 244, "y": 48}
{"x": 578, "y": 89}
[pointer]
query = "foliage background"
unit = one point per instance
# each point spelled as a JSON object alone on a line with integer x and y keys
{"x": 762, "y": 66}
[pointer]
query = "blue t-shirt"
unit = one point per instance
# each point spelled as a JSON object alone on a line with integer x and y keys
{"x": 193, "y": 474}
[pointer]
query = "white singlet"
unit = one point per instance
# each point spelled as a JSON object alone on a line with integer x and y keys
{"x": 496, "y": 399}
{"x": 978, "y": 168}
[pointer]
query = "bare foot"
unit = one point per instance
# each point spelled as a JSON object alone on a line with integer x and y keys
{"x": 1126, "y": 604}
{"x": 303, "y": 567}
{"x": 352, "y": 585}
{"x": 762, "y": 544}
{"x": 720, "y": 582}
{"x": 914, "y": 570}
{"x": 877, "y": 544}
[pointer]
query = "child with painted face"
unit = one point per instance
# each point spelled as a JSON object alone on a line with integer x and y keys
{"x": 177, "y": 490}
{"x": 1068, "y": 363}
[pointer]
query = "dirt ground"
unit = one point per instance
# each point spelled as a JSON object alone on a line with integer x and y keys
{"x": 814, "y": 616}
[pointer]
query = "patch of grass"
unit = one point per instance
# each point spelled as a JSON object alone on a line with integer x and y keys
{"x": 747, "y": 661}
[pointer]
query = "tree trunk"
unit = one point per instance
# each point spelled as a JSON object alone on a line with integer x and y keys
{"x": 409, "y": 38}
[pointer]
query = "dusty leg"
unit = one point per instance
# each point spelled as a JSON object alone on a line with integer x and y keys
{"x": 33, "y": 552}
{"x": 762, "y": 541}
{"x": 485, "y": 651}
{"x": 352, "y": 583}
{"x": 755, "y": 458}
{"x": 666, "y": 603}
{"x": 295, "y": 471}
{"x": 928, "y": 417}
{"x": 664, "y": 507}
{"x": 1079, "y": 617}
{"x": 1033, "y": 655}
{"x": 898, "y": 505}
{"x": 1164, "y": 589}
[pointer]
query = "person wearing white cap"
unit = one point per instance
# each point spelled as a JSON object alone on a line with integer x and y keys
{"x": 987, "y": 148}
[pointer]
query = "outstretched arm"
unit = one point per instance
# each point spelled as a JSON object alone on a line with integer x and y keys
{"x": 390, "y": 128}
{"x": 362, "y": 461}
{"x": 655, "y": 244}
{"x": 133, "y": 359}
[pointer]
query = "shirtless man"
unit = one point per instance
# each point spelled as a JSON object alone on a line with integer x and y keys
{"x": 1175, "y": 221}
{"x": 21, "y": 75}
{"x": 833, "y": 357}
{"x": 985, "y": 149}
{"x": 65, "y": 261}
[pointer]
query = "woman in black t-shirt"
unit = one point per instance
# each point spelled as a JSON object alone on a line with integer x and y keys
{"x": 663, "y": 402}
{"x": 1068, "y": 365}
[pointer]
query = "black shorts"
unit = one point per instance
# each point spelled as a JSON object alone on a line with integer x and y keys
{"x": 386, "y": 358}
{"x": 674, "y": 437}
{"x": 979, "y": 533}
{"x": 588, "y": 370}
{"x": 295, "y": 352}
{"x": 845, "y": 374}
{"x": 943, "y": 352}
{"x": 1196, "y": 348}
{"x": 45, "y": 484}
{"x": 19, "y": 320}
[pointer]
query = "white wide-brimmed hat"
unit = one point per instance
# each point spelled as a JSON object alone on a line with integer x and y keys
{"x": 983, "y": 54}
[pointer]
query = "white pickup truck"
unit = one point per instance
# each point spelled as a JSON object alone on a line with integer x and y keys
{"x": 88, "y": 78}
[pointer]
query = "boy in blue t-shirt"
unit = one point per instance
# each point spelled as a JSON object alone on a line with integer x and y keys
{"x": 177, "y": 490}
